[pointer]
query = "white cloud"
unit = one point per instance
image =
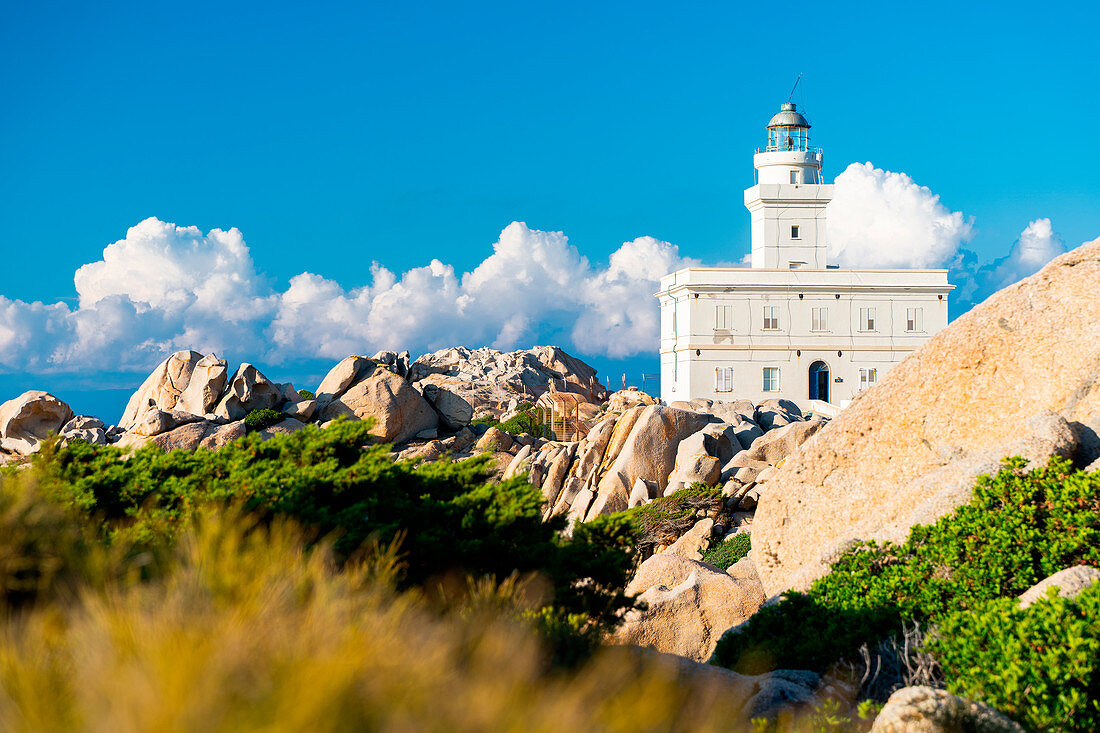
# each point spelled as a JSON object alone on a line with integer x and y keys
{"x": 882, "y": 219}
{"x": 165, "y": 287}
{"x": 1037, "y": 245}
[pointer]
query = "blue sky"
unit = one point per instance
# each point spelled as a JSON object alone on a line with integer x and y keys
{"x": 345, "y": 134}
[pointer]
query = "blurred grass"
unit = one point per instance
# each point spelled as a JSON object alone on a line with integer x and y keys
{"x": 249, "y": 625}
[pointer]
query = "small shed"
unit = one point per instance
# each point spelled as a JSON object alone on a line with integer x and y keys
{"x": 560, "y": 413}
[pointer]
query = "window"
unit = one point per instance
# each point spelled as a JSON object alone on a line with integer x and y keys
{"x": 771, "y": 379}
{"x": 914, "y": 319}
{"x": 794, "y": 176}
{"x": 866, "y": 319}
{"x": 819, "y": 319}
{"x": 723, "y": 379}
{"x": 771, "y": 318}
{"x": 794, "y": 232}
{"x": 867, "y": 378}
{"x": 723, "y": 317}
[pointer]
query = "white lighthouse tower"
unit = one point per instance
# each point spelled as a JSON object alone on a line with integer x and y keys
{"x": 787, "y": 205}
{"x": 792, "y": 325}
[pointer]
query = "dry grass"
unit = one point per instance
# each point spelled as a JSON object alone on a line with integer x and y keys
{"x": 240, "y": 628}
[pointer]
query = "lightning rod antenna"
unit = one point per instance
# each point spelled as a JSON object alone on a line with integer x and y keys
{"x": 789, "y": 96}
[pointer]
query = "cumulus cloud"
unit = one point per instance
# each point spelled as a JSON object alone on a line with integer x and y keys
{"x": 166, "y": 287}
{"x": 1037, "y": 245}
{"x": 882, "y": 219}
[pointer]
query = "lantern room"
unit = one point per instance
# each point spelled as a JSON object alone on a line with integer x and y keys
{"x": 788, "y": 130}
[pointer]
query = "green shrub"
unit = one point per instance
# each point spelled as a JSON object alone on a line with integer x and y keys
{"x": 263, "y": 419}
{"x": 1039, "y": 665}
{"x": 663, "y": 520}
{"x": 728, "y": 552}
{"x": 305, "y": 394}
{"x": 446, "y": 517}
{"x": 525, "y": 421}
{"x": 1019, "y": 528}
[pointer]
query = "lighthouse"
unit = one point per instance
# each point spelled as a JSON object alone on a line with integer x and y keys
{"x": 791, "y": 326}
{"x": 787, "y": 204}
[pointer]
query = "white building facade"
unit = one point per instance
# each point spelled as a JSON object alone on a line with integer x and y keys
{"x": 791, "y": 326}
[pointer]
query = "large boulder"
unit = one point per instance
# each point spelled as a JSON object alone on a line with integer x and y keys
{"x": 155, "y": 422}
{"x": 249, "y": 390}
{"x": 399, "y": 411}
{"x": 776, "y": 413}
{"x": 777, "y": 444}
{"x": 689, "y": 605}
{"x": 1069, "y": 582}
{"x": 201, "y": 434}
{"x": 161, "y": 390}
{"x": 86, "y": 428}
{"x": 350, "y": 370}
{"x": 204, "y": 386}
{"x": 454, "y": 412}
{"x": 30, "y": 418}
{"x": 642, "y": 445}
{"x": 1009, "y": 377}
{"x": 928, "y": 710}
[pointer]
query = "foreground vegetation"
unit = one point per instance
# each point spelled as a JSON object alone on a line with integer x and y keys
{"x": 310, "y": 583}
{"x": 961, "y": 576}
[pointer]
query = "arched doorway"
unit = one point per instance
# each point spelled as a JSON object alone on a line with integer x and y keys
{"x": 819, "y": 381}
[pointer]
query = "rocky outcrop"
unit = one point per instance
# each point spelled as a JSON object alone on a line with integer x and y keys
{"x": 29, "y": 419}
{"x": 1069, "y": 582}
{"x": 489, "y": 380}
{"x": 1018, "y": 374}
{"x": 688, "y": 606}
{"x": 928, "y": 710}
{"x": 86, "y": 428}
{"x": 642, "y": 445}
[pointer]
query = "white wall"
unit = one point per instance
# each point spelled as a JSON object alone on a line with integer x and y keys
{"x": 692, "y": 346}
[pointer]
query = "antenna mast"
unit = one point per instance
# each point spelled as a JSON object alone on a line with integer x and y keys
{"x": 789, "y": 96}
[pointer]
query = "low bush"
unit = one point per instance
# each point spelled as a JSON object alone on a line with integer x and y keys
{"x": 305, "y": 394}
{"x": 726, "y": 553}
{"x": 1020, "y": 527}
{"x": 263, "y": 419}
{"x": 1039, "y": 665}
{"x": 666, "y": 518}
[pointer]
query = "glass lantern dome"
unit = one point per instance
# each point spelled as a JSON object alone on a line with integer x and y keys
{"x": 788, "y": 130}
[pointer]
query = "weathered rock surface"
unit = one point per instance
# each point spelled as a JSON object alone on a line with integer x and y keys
{"x": 204, "y": 434}
{"x": 347, "y": 372}
{"x": 249, "y": 390}
{"x": 161, "y": 389}
{"x": 642, "y": 445}
{"x": 928, "y": 710}
{"x": 454, "y": 412}
{"x": 1069, "y": 582}
{"x": 489, "y": 379}
{"x": 400, "y": 412}
{"x": 493, "y": 440}
{"x": 156, "y": 421}
{"x": 30, "y": 418}
{"x": 205, "y": 385}
{"x": 86, "y": 428}
{"x": 625, "y": 399}
{"x": 938, "y": 418}
{"x": 689, "y": 605}
{"x": 693, "y": 543}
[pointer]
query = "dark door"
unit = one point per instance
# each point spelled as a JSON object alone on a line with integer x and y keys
{"x": 819, "y": 381}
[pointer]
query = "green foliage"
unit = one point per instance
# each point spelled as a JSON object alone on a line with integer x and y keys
{"x": 666, "y": 518}
{"x": 1019, "y": 528}
{"x": 525, "y": 421}
{"x": 446, "y": 517}
{"x": 305, "y": 394}
{"x": 728, "y": 552}
{"x": 1039, "y": 665}
{"x": 263, "y": 419}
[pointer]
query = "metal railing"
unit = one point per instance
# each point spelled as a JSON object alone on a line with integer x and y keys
{"x": 781, "y": 149}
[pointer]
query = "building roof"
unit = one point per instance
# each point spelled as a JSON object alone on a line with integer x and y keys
{"x": 788, "y": 117}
